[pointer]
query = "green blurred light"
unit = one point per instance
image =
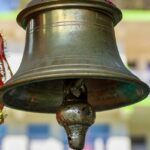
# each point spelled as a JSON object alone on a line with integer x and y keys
{"x": 144, "y": 103}
{"x": 8, "y": 16}
{"x": 130, "y": 109}
{"x": 136, "y": 15}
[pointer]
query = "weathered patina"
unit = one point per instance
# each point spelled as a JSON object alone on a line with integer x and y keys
{"x": 71, "y": 49}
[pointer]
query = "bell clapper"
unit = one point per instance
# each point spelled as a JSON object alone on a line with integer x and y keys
{"x": 75, "y": 114}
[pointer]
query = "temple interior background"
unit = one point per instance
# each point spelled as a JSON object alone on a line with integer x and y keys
{"x": 126, "y": 128}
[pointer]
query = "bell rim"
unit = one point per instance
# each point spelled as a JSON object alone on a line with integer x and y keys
{"x": 144, "y": 88}
{"x": 110, "y": 10}
{"x": 69, "y": 73}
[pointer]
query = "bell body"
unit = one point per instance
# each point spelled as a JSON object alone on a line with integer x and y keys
{"x": 71, "y": 40}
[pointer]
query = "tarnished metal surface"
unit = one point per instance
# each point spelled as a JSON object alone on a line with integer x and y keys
{"x": 67, "y": 43}
{"x": 39, "y": 6}
{"x": 47, "y": 96}
{"x": 76, "y": 119}
{"x": 71, "y": 64}
{"x": 75, "y": 114}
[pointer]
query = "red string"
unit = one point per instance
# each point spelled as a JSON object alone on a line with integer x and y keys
{"x": 2, "y": 58}
{"x": 2, "y": 54}
{"x": 1, "y": 85}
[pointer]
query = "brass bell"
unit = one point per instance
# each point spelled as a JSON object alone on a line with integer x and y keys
{"x": 71, "y": 64}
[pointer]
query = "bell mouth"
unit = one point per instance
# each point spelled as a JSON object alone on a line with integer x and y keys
{"x": 46, "y": 95}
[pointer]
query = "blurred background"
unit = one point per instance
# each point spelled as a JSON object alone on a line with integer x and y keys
{"x": 126, "y": 128}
